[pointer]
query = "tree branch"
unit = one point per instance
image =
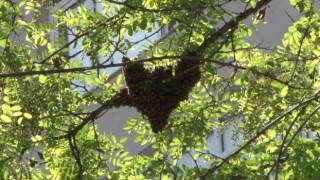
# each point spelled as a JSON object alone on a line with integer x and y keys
{"x": 82, "y": 69}
{"x": 276, "y": 164}
{"x": 295, "y": 135}
{"x": 121, "y": 98}
{"x": 76, "y": 154}
{"x": 229, "y": 25}
{"x": 166, "y": 9}
{"x": 245, "y": 145}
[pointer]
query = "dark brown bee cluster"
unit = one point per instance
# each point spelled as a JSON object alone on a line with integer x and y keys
{"x": 152, "y": 95}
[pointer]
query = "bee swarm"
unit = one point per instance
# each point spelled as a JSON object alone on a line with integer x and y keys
{"x": 151, "y": 94}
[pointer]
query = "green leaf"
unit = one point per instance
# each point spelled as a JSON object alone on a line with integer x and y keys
{"x": 114, "y": 139}
{"x": 277, "y": 84}
{"x": 316, "y": 84}
{"x": 6, "y": 109}
{"x": 119, "y": 79}
{"x": 271, "y": 133}
{"x": 16, "y": 108}
{"x": 36, "y": 138}
{"x": 7, "y": 99}
{"x": 196, "y": 156}
{"x": 91, "y": 79}
{"x": 5, "y": 118}
{"x": 284, "y": 91}
{"x": 129, "y": 31}
{"x": 253, "y": 4}
{"x": 42, "y": 79}
{"x": 227, "y": 106}
{"x": 138, "y": 138}
{"x": 27, "y": 115}
{"x": 123, "y": 139}
{"x": 17, "y": 113}
{"x": 20, "y": 120}
{"x": 3, "y": 42}
{"x": 143, "y": 24}
{"x": 252, "y": 162}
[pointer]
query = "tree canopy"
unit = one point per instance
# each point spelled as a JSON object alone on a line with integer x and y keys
{"x": 54, "y": 65}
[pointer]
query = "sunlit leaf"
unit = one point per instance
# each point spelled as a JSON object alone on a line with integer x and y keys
{"x": 284, "y": 91}
{"x": 277, "y": 84}
{"x": 5, "y": 118}
{"x": 16, "y": 108}
{"x": 27, "y": 115}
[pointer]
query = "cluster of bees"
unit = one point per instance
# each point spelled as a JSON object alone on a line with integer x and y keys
{"x": 150, "y": 92}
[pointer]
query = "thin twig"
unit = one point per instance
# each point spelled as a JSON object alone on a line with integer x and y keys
{"x": 276, "y": 163}
{"x": 297, "y": 132}
{"x": 231, "y": 24}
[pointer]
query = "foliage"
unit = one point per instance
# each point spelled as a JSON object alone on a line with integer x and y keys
{"x": 269, "y": 95}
